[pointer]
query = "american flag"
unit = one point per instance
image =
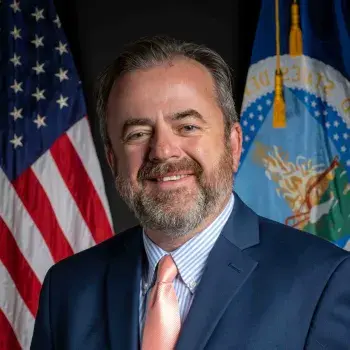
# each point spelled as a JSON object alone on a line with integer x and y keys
{"x": 52, "y": 197}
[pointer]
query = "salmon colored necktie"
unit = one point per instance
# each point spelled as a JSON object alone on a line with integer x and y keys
{"x": 162, "y": 323}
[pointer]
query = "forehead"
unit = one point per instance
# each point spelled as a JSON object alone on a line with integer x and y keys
{"x": 177, "y": 84}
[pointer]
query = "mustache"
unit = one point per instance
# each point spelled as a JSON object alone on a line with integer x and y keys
{"x": 151, "y": 170}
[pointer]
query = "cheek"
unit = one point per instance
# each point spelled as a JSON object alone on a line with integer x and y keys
{"x": 130, "y": 161}
{"x": 203, "y": 152}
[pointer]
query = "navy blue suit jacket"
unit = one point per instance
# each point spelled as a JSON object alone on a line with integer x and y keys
{"x": 266, "y": 286}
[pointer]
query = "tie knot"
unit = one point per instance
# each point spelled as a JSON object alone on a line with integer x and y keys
{"x": 167, "y": 270}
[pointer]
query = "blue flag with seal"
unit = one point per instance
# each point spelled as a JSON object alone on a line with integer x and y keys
{"x": 295, "y": 166}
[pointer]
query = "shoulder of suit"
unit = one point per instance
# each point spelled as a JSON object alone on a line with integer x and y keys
{"x": 294, "y": 241}
{"x": 98, "y": 255}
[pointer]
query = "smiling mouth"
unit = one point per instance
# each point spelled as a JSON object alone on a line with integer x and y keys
{"x": 169, "y": 178}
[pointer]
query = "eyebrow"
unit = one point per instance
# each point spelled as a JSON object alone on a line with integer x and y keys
{"x": 188, "y": 113}
{"x": 176, "y": 116}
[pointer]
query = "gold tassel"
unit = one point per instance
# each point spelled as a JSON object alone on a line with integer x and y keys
{"x": 279, "y": 107}
{"x": 295, "y": 35}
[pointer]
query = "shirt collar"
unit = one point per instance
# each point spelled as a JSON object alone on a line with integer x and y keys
{"x": 191, "y": 257}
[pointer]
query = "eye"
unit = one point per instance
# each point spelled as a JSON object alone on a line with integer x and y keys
{"x": 136, "y": 136}
{"x": 189, "y": 128}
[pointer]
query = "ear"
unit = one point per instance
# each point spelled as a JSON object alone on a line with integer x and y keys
{"x": 236, "y": 144}
{"x": 111, "y": 159}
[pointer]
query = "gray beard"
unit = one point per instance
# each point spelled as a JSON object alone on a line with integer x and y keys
{"x": 161, "y": 216}
{"x": 157, "y": 211}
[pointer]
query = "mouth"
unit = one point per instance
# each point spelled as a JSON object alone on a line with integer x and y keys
{"x": 170, "y": 180}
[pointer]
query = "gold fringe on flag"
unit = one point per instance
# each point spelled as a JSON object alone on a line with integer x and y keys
{"x": 295, "y": 35}
{"x": 279, "y": 108}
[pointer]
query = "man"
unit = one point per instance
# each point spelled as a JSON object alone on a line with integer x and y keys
{"x": 202, "y": 271}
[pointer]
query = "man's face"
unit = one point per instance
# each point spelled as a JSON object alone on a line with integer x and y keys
{"x": 174, "y": 165}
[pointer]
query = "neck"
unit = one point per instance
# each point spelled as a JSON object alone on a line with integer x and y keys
{"x": 169, "y": 244}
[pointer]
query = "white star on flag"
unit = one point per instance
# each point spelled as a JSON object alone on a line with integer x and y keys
{"x": 268, "y": 102}
{"x": 336, "y": 124}
{"x": 245, "y": 123}
{"x": 62, "y": 75}
{"x": 348, "y": 162}
{"x": 57, "y": 21}
{"x": 15, "y": 6}
{"x": 39, "y": 68}
{"x": 252, "y": 128}
{"x": 17, "y": 141}
{"x": 313, "y": 104}
{"x": 62, "y": 101}
{"x": 251, "y": 115}
{"x": 345, "y": 135}
{"x": 325, "y": 112}
{"x": 317, "y": 113}
{"x": 17, "y": 113}
{"x": 16, "y": 33}
{"x": 17, "y": 86}
{"x": 328, "y": 125}
{"x": 336, "y": 137}
{"x": 247, "y": 138}
{"x": 40, "y": 121}
{"x": 16, "y": 60}
{"x": 38, "y": 41}
{"x": 61, "y": 48}
{"x": 260, "y": 108}
{"x": 38, "y": 14}
{"x": 39, "y": 95}
{"x": 343, "y": 149}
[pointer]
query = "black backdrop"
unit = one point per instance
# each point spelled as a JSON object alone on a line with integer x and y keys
{"x": 97, "y": 30}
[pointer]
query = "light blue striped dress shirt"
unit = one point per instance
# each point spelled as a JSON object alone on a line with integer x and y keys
{"x": 190, "y": 260}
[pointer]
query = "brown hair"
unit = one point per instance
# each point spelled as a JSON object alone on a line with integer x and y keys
{"x": 148, "y": 52}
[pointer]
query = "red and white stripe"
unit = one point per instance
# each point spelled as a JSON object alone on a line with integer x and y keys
{"x": 56, "y": 208}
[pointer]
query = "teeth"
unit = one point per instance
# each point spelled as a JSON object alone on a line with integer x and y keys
{"x": 172, "y": 178}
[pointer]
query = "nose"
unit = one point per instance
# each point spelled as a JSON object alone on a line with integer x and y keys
{"x": 164, "y": 146}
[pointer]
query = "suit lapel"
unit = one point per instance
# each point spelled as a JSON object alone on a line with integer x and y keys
{"x": 123, "y": 292}
{"x": 227, "y": 269}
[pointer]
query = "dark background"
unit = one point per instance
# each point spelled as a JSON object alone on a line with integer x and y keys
{"x": 97, "y": 30}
